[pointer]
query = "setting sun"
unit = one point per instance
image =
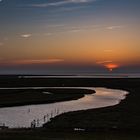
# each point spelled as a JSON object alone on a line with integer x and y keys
{"x": 70, "y": 69}
{"x": 111, "y": 66}
{"x": 69, "y": 36}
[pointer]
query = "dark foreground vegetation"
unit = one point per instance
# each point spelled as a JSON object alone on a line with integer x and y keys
{"x": 122, "y": 117}
{"x": 42, "y": 134}
{"x": 112, "y": 123}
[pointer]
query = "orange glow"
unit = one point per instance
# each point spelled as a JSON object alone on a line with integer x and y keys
{"x": 111, "y": 66}
{"x": 36, "y": 61}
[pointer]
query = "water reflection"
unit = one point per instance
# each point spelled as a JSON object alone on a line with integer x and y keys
{"x": 26, "y": 116}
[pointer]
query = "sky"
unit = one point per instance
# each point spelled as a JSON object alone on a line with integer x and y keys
{"x": 67, "y": 36}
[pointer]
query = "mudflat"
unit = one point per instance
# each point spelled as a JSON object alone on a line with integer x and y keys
{"x": 116, "y": 122}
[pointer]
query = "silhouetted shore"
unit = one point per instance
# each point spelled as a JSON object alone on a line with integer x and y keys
{"x": 116, "y": 122}
{"x": 122, "y": 117}
{"x": 19, "y": 97}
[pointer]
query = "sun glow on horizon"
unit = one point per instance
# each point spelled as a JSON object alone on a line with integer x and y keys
{"x": 111, "y": 66}
{"x": 90, "y": 34}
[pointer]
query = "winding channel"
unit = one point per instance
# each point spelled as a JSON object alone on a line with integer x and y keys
{"x": 22, "y": 116}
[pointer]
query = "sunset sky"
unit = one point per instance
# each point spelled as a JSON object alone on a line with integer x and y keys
{"x": 38, "y": 36}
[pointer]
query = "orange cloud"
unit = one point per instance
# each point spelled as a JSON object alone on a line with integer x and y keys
{"x": 28, "y": 62}
{"x": 108, "y": 64}
{"x": 103, "y": 62}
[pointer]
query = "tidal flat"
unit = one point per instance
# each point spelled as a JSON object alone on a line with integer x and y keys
{"x": 116, "y": 122}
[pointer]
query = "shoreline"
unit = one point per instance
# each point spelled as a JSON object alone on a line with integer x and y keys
{"x": 96, "y": 118}
{"x": 35, "y": 95}
{"x": 101, "y": 98}
{"x": 124, "y": 115}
